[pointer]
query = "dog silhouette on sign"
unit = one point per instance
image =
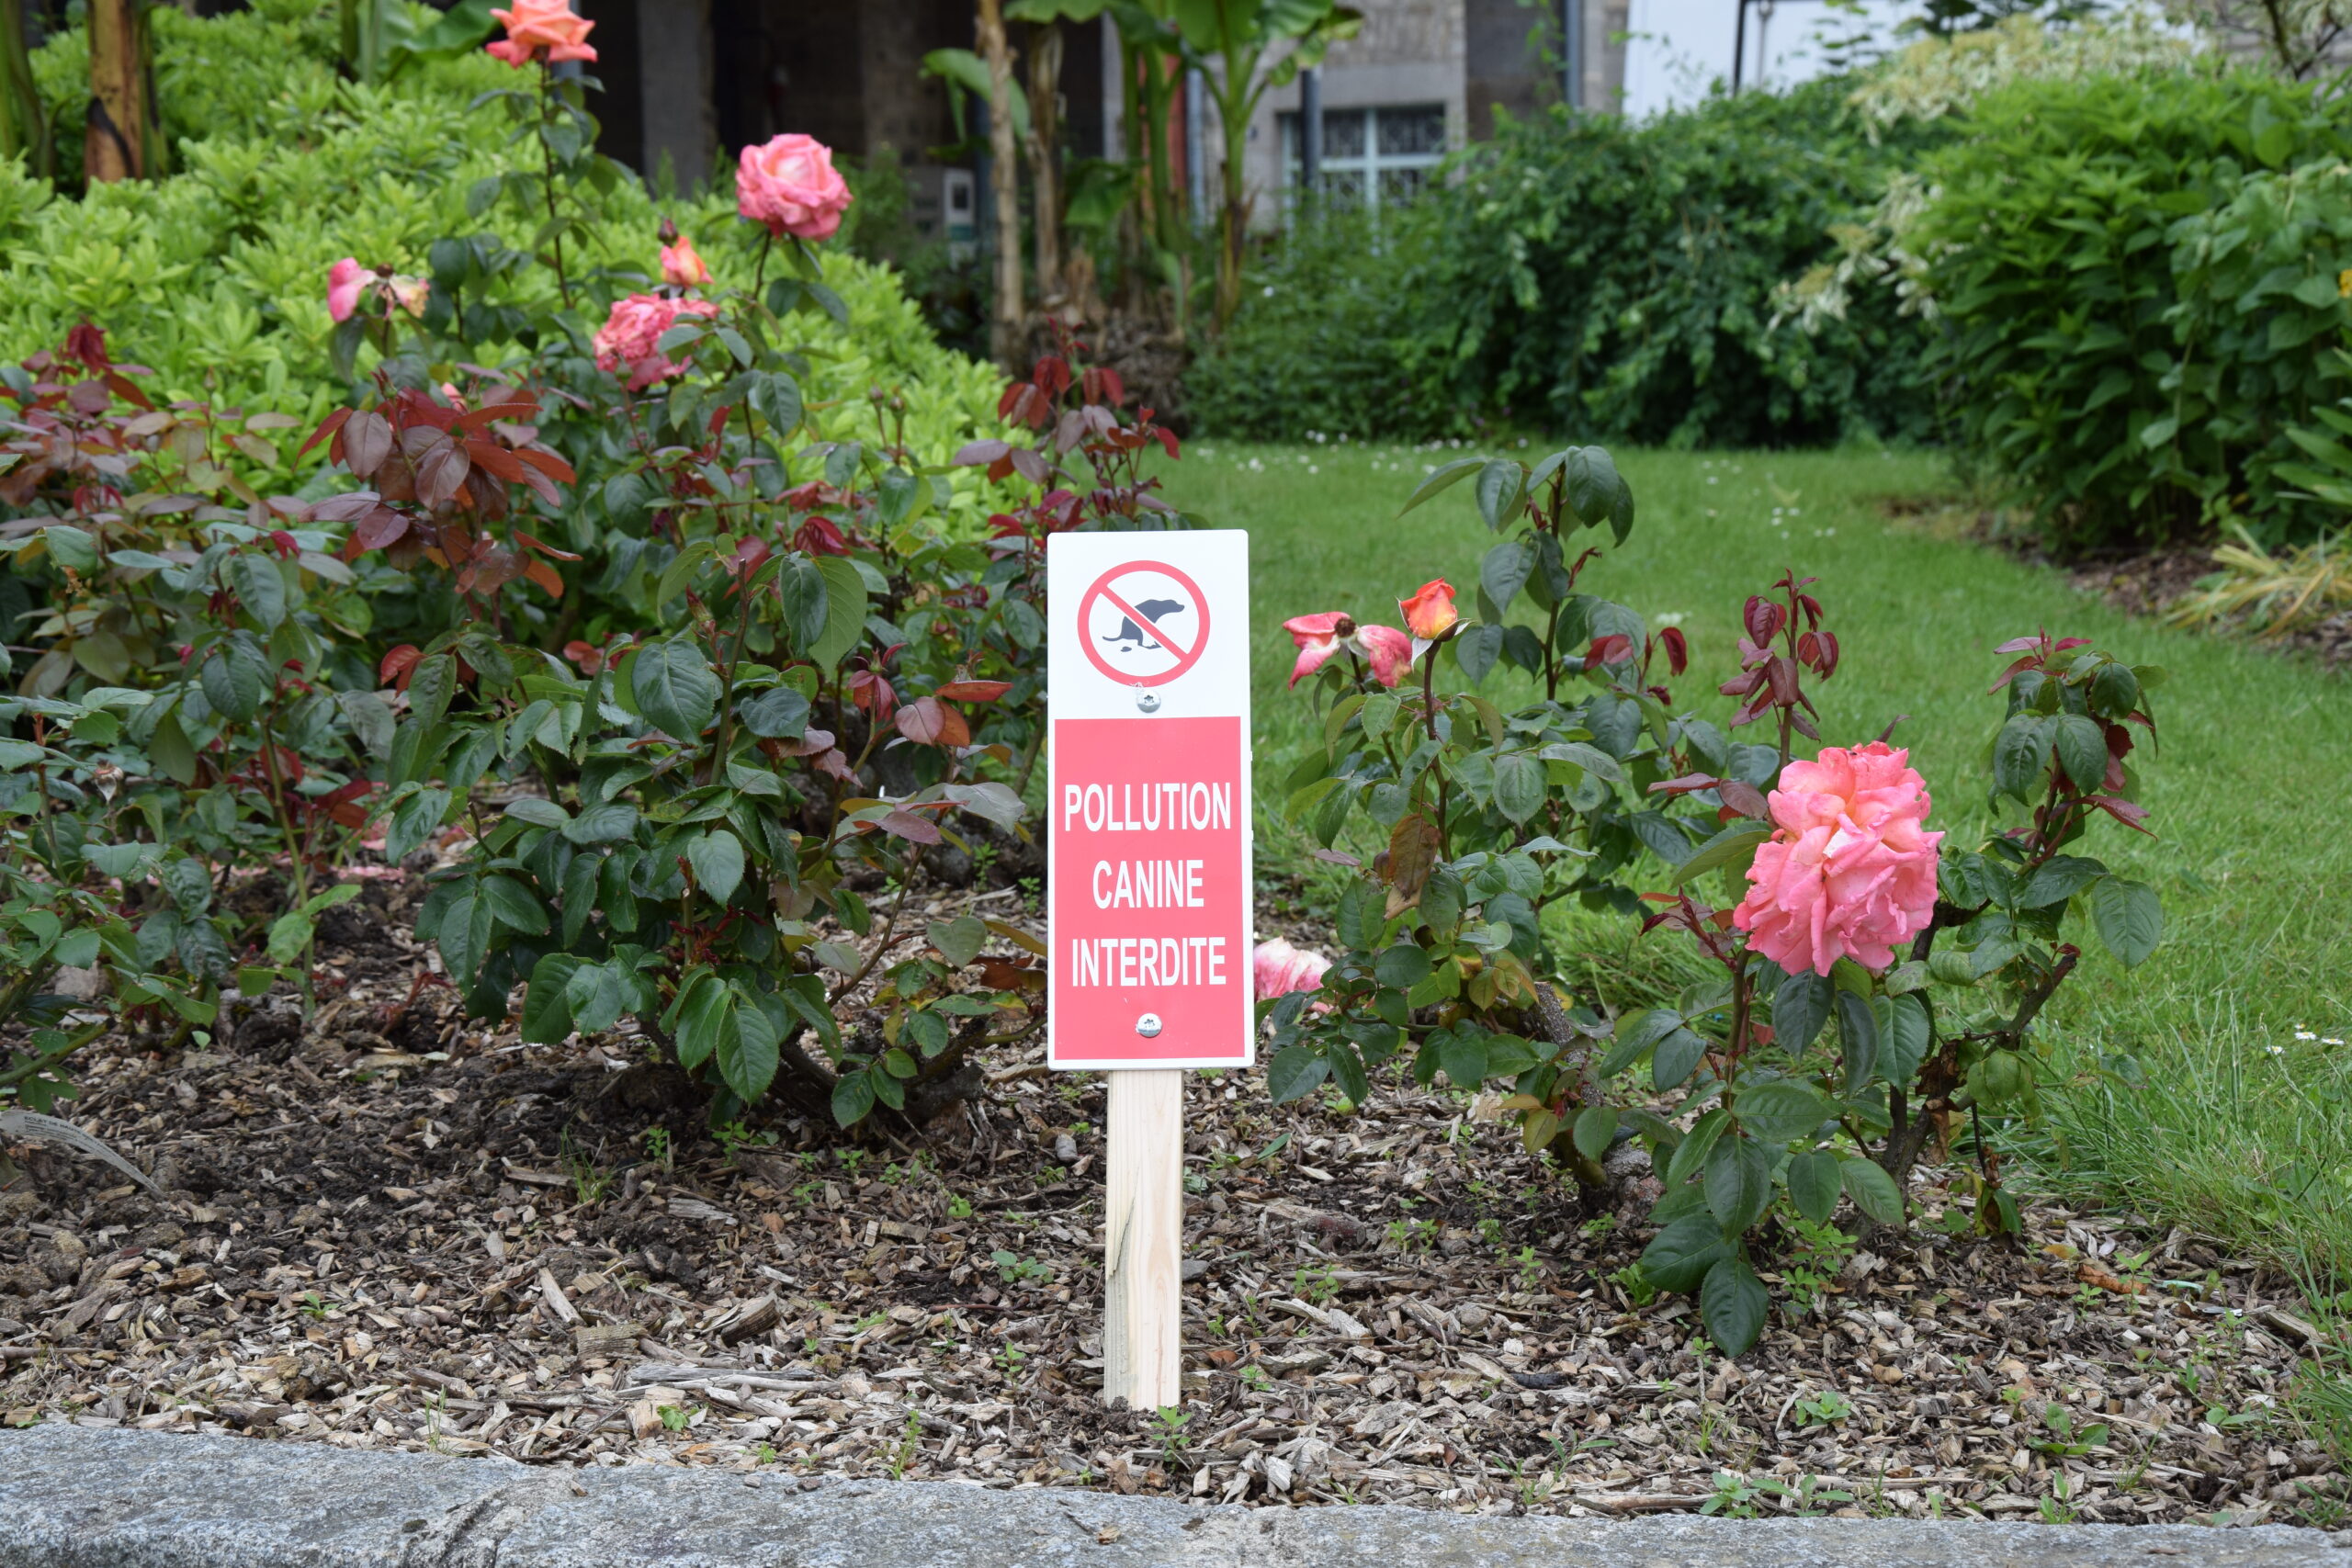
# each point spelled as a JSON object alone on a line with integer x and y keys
{"x": 1131, "y": 636}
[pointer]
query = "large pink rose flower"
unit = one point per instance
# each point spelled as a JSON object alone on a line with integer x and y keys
{"x": 630, "y": 335}
{"x": 535, "y": 25}
{"x": 1850, "y": 872}
{"x": 789, "y": 183}
{"x": 1277, "y": 969}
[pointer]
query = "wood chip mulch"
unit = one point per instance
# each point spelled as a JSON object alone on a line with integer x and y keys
{"x": 400, "y": 1229}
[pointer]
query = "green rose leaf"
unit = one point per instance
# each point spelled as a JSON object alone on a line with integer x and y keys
{"x": 717, "y": 861}
{"x": 2130, "y": 917}
{"x": 1678, "y": 1258}
{"x": 1732, "y": 1302}
{"x": 1873, "y": 1191}
{"x": 674, "y": 687}
{"x": 1815, "y": 1185}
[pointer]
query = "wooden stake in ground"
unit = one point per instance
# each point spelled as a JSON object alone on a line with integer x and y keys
{"x": 1143, "y": 1236}
{"x": 114, "y": 140}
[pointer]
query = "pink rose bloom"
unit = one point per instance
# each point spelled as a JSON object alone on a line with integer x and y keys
{"x": 789, "y": 183}
{"x": 682, "y": 267}
{"x": 535, "y": 25}
{"x": 630, "y": 336}
{"x": 1278, "y": 969}
{"x": 1386, "y": 649}
{"x": 1848, "y": 872}
{"x": 346, "y": 281}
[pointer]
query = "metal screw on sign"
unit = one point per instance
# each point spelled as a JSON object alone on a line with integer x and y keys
{"x": 1147, "y": 701}
{"x": 1148, "y": 1025}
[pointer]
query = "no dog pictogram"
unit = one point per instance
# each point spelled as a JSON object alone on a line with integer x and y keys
{"x": 1144, "y": 623}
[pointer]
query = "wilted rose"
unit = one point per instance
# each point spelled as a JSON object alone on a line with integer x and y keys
{"x": 346, "y": 281}
{"x": 1386, "y": 649}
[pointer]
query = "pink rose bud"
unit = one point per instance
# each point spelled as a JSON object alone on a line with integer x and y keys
{"x": 682, "y": 267}
{"x": 1430, "y": 612}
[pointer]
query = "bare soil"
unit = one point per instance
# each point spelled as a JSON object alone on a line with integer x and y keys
{"x": 397, "y": 1229}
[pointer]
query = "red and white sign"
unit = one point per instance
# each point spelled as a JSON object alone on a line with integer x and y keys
{"x": 1147, "y": 779}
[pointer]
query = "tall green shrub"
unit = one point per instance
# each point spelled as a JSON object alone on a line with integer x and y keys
{"x": 1609, "y": 278}
{"x": 1337, "y": 336}
{"x": 2139, "y": 295}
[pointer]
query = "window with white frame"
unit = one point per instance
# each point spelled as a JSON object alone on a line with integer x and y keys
{"x": 1372, "y": 157}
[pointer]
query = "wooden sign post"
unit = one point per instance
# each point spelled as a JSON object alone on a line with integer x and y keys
{"x": 1148, "y": 878}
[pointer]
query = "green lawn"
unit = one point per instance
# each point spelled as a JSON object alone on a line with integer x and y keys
{"x": 2239, "y": 1130}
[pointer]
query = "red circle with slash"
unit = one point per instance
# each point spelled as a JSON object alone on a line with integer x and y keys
{"x": 1124, "y": 600}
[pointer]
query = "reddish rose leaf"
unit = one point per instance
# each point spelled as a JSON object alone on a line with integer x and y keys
{"x": 327, "y": 428}
{"x": 379, "y": 527}
{"x": 546, "y": 463}
{"x": 482, "y": 417}
{"x": 441, "y": 473}
{"x": 349, "y": 507}
{"x": 913, "y": 828}
{"x": 496, "y": 459}
{"x": 544, "y": 575}
{"x": 974, "y": 453}
{"x": 930, "y": 722}
{"x": 1745, "y": 798}
{"x": 531, "y": 542}
{"x": 975, "y": 691}
{"x": 367, "y": 442}
{"x": 398, "y": 662}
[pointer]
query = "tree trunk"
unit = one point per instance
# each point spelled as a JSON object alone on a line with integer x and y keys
{"x": 1233, "y": 213}
{"x": 115, "y": 143}
{"x": 1004, "y": 333}
{"x": 24, "y": 130}
{"x": 1045, "y": 160}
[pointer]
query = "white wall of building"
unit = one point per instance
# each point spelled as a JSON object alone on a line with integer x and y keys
{"x": 1680, "y": 48}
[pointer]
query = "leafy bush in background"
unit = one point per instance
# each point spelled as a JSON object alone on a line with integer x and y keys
{"x": 215, "y": 276}
{"x": 1336, "y": 335}
{"x": 1586, "y": 274}
{"x": 2139, "y": 283}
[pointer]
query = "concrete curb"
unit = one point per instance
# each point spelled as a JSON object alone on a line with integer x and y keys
{"x": 92, "y": 1497}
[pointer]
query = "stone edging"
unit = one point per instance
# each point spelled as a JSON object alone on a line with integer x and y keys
{"x": 94, "y": 1497}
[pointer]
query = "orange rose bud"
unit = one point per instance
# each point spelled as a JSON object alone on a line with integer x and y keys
{"x": 1429, "y": 614}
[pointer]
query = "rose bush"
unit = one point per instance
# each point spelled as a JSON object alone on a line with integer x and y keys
{"x": 1834, "y": 892}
